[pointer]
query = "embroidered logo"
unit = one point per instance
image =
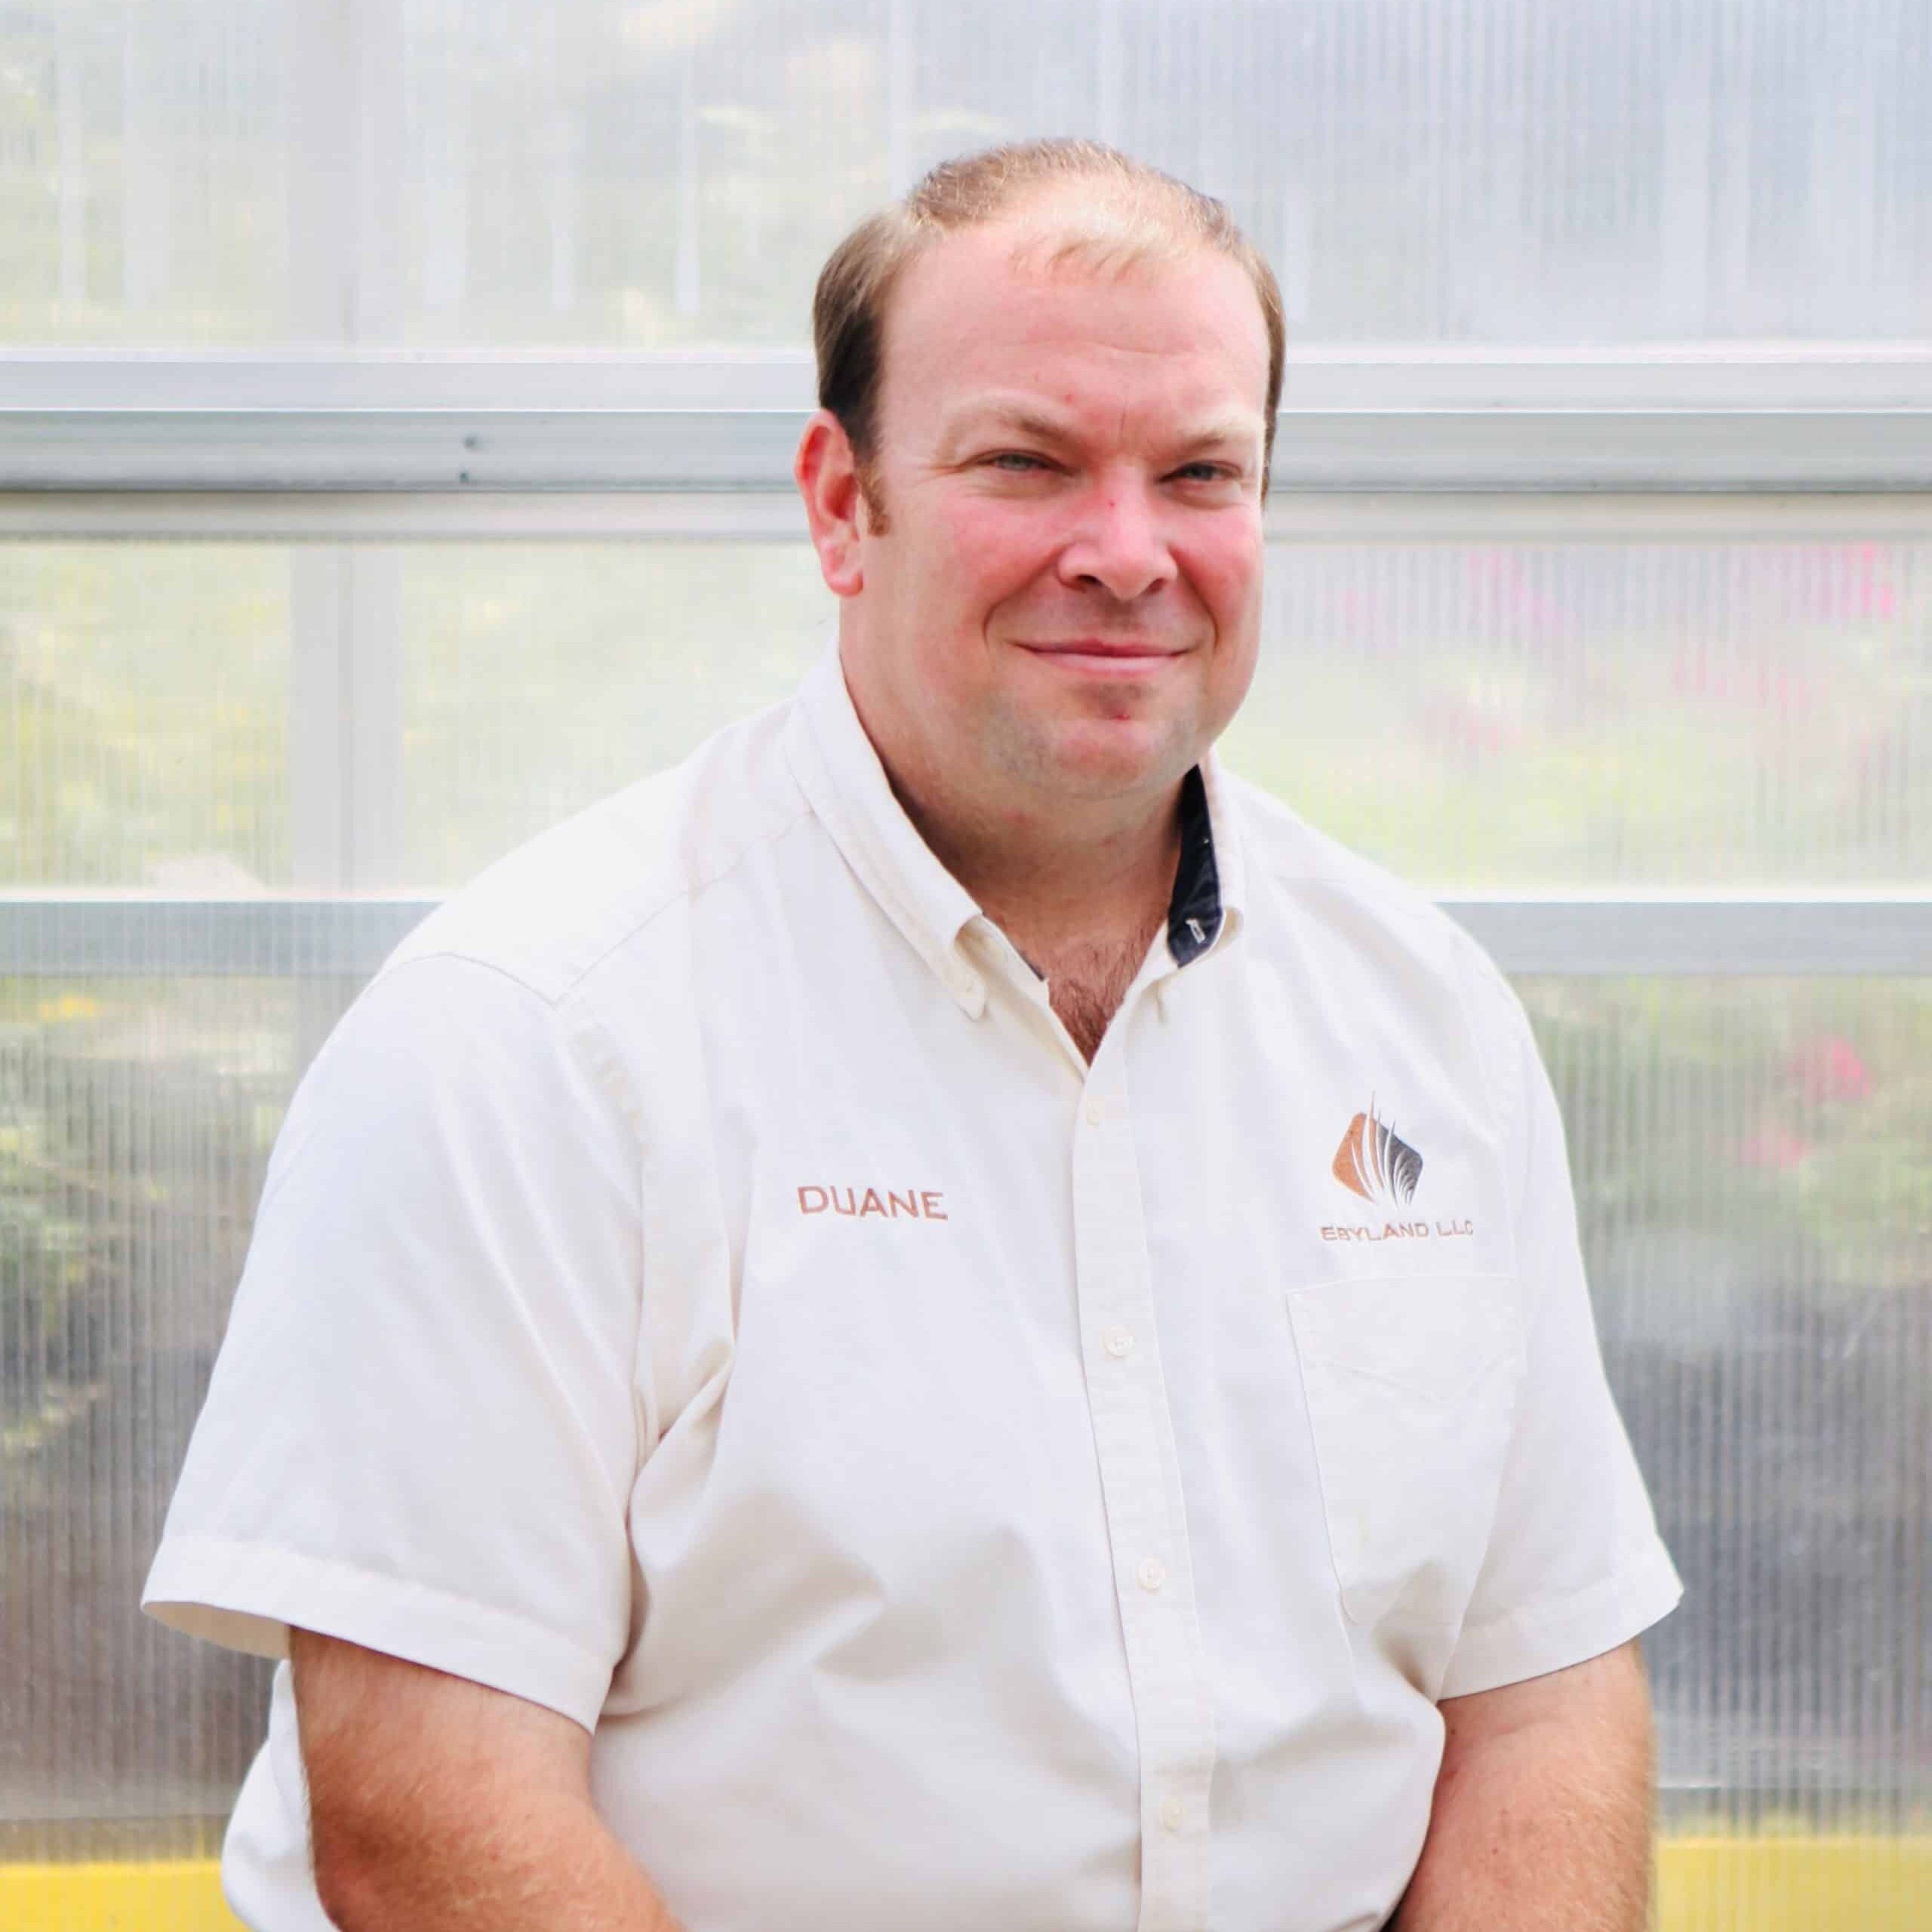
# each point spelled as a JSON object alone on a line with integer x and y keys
{"x": 1372, "y": 1163}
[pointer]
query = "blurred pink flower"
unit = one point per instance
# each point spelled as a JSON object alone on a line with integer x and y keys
{"x": 1829, "y": 1067}
{"x": 1772, "y": 1148}
{"x": 1501, "y": 581}
{"x": 1861, "y": 583}
{"x": 1695, "y": 672}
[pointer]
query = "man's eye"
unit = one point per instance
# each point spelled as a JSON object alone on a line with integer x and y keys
{"x": 1204, "y": 472}
{"x": 1017, "y": 461}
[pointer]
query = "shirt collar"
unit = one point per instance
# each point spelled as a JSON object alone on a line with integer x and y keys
{"x": 1193, "y": 909}
{"x": 1209, "y": 901}
{"x": 845, "y": 784}
{"x": 840, "y": 773}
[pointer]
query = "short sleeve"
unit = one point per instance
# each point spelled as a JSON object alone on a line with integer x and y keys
{"x": 1575, "y": 1566}
{"x": 421, "y": 1434}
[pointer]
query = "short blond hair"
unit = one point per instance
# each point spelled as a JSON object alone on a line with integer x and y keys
{"x": 1142, "y": 215}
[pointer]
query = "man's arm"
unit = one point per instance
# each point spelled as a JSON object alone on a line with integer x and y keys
{"x": 1542, "y": 1814}
{"x": 441, "y": 1806}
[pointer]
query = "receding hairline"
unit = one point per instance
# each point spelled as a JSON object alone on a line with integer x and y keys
{"x": 1095, "y": 223}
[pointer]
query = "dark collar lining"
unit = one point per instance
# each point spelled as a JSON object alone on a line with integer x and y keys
{"x": 1194, "y": 911}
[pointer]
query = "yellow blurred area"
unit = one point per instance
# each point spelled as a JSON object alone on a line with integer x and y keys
{"x": 66, "y": 1006}
{"x": 1850, "y": 1883}
{"x": 169, "y": 1895}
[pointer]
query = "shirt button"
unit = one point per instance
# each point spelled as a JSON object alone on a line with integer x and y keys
{"x": 1153, "y": 1572}
{"x": 1118, "y": 1342}
{"x": 1174, "y": 1813}
{"x": 1096, "y": 1111}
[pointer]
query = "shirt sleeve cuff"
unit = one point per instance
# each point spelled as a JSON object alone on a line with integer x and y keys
{"x": 246, "y": 1595}
{"x": 1559, "y": 1632}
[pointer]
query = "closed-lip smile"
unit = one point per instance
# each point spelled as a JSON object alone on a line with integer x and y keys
{"x": 1101, "y": 648}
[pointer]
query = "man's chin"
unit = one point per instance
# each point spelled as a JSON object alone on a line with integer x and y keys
{"x": 1110, "y": 758}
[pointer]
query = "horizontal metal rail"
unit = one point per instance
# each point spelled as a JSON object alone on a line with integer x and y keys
{"x": 1796, "y": 935}
{"x": 577, "y": 516}
{"x": 751, "y": 450}
{"x": 1775, "y": 418}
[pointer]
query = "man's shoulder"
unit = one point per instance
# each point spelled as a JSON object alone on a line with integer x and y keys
{"x": 1323, "y": 887}
{"x": 549, "y": 912}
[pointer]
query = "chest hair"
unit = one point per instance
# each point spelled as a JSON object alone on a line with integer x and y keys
{"x": 1088, "y": 980}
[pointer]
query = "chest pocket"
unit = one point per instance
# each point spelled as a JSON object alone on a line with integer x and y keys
{"x": 1411, "y": 1387}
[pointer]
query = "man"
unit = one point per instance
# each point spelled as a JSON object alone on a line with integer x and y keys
{"x": 944, "y": 1318}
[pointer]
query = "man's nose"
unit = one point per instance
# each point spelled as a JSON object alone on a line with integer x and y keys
{"x": 1118, "y": 543}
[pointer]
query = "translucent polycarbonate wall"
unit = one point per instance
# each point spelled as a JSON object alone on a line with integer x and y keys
{"x": 1571, "y": 714}
{"x": 1596, "y": 714}
{"x": 609, "y": 172}
{"x": 1755, "y": 1189}
{"x": 222, "y": 717}
{"x": 135, "y": 1120}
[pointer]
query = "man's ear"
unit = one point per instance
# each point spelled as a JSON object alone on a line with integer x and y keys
{"x": 828, "y": 479}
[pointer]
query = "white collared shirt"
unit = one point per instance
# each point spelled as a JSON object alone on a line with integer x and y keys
{"x": 700, "y": 1287}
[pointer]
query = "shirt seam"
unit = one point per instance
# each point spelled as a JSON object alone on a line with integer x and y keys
{"x": 684, "y": 892}
{"x": 1505, "y": 1098}
{"x": 240, "y": 1560}
{"x": 590, "y": 1047}
{"x": 1636, "y": 1565}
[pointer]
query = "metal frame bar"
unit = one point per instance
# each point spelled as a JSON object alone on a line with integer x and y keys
{"x": 1793, "y": 935}
{"x": 355, "y": 516}
{"x": 344, "y": 67}
{"x": 1572, "y": 450}
{"x": 1771, "y": 419}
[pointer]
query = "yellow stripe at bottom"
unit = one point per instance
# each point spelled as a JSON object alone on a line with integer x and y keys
{"x": 169, "y": 1895}
{"x": 1844, "y": 1883}
{"x": 1852, "y": 1882}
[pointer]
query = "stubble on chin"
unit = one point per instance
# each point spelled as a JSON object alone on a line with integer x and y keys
{"x": 1069, "y": 758}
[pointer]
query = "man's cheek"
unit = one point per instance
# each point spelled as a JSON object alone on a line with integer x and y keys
{"x": 1227, "y": 586}
{"x": 1230, "y": 582}
{"x": 1000, "y": 550}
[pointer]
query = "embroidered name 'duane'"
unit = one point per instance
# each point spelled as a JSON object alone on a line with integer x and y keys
{"x": 923, "y": 1205}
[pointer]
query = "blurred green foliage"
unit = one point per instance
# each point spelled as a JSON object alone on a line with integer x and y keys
{"x": 1572, "y": 715}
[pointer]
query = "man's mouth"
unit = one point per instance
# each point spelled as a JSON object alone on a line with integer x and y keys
{"x": 1104, "y": 654}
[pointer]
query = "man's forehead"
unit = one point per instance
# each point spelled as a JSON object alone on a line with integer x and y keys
{"x": 989, "y": 309}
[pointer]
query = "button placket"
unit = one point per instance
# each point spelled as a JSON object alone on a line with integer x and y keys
{"x": 1134, "y": 1438}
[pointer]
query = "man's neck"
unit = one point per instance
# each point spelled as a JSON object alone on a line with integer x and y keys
{"x": 1060, "y": 885}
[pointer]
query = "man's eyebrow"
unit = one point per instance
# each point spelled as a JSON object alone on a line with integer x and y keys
{"x": 1016, "y": 419}
{"x": 1233, "y": 428}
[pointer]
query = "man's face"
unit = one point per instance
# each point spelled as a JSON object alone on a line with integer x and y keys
{"x": 1064, "y": 602}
